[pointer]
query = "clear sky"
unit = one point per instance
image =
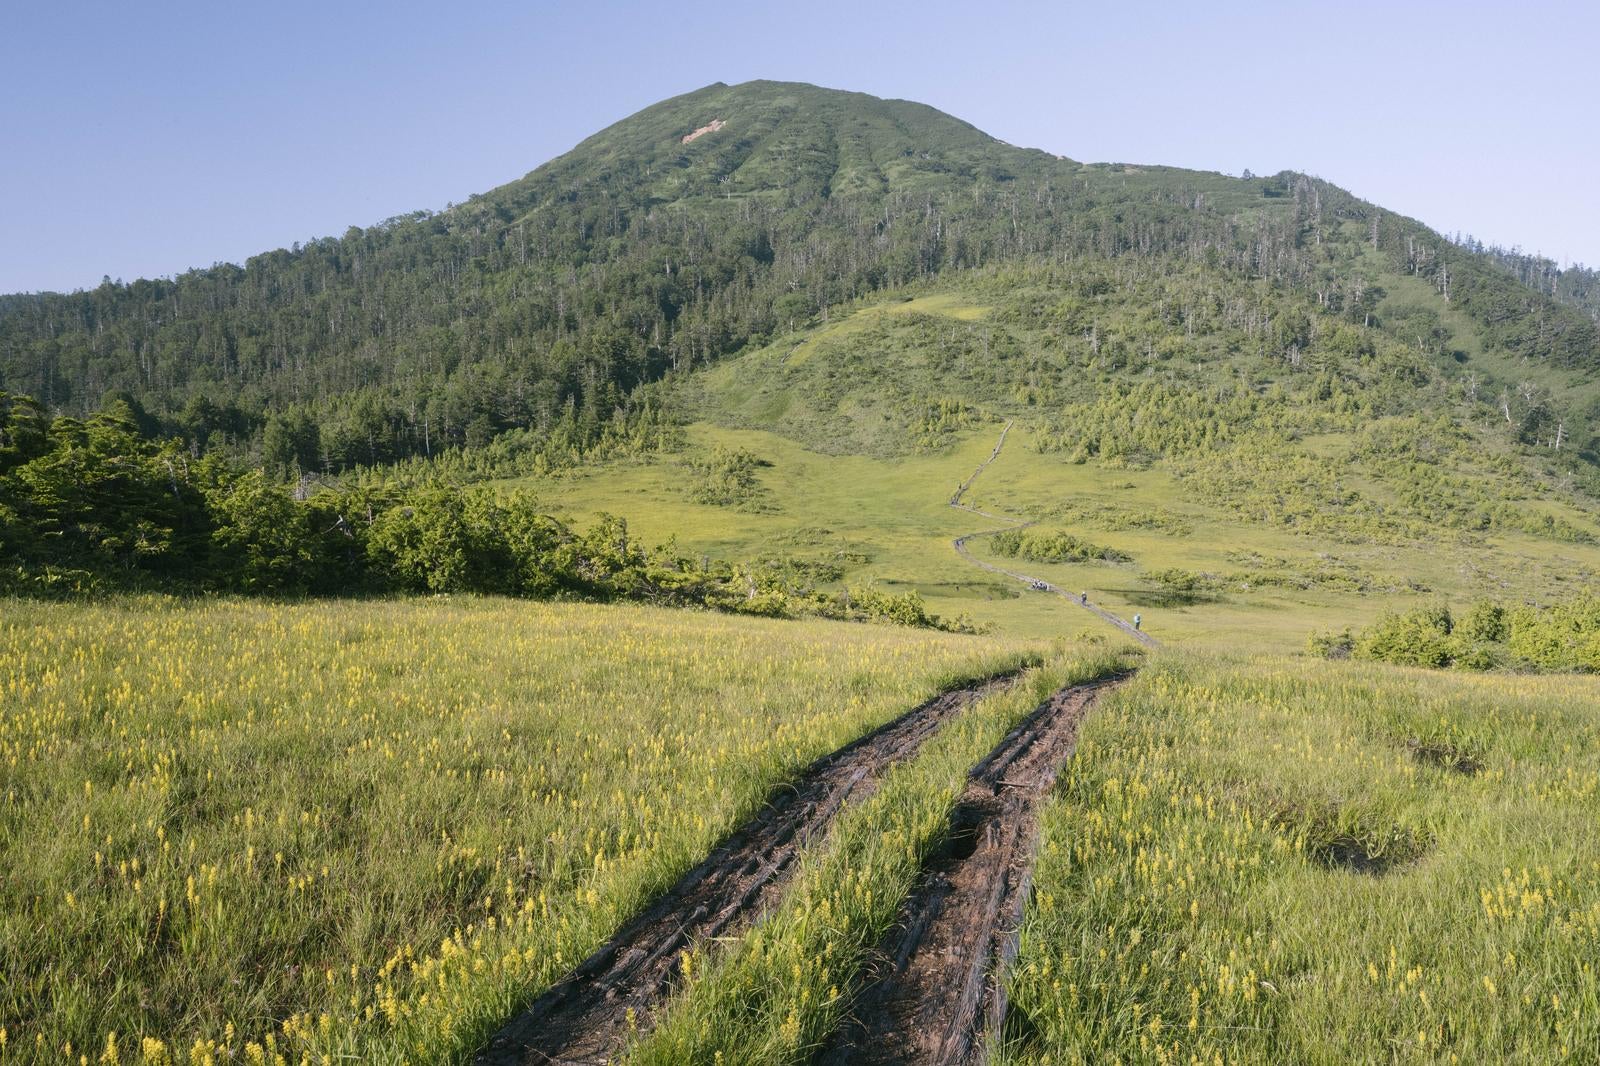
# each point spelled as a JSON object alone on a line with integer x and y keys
{"x": 140, "y": 139}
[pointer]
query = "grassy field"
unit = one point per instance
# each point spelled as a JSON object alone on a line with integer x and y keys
{"x": 1267, "y": 860}
{"x": 1251, "y": 859}
{"x": 1298, "y": 507}
{"x": 371, "y": 830}
{"x": 235, "y": 830}
{"x": 887, "y": 519}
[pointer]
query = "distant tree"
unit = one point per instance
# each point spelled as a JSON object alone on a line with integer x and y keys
{"x": 291, "y": 440}
{"x": 24, "y": 431}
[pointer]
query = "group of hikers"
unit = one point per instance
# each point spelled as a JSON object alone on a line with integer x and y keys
{"x": 1083, "y": 598}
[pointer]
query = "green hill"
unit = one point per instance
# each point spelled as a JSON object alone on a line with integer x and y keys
{"x": 647, "y": 249}
{"x": 1266, "y": 394}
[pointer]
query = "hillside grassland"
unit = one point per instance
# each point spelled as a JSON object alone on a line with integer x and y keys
{"x": 1264, "y": 860}
{"x": 1270, "y": 467}
{"x": 886, "y": 520}
{"x": 368, "y": 829}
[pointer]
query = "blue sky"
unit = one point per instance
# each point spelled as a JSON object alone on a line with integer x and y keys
{"x": 142, "y": 139}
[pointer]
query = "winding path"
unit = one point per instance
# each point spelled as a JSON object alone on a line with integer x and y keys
{"x": 960, "y": 545}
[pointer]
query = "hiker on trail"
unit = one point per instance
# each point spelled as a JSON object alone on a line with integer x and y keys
{"x": 1083, "y": 598}
{"x": 1136, "y": 620}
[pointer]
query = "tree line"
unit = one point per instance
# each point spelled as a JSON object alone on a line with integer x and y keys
{"x": 95, "y": 504}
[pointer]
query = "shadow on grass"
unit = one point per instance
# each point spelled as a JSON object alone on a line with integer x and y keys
{"x": 1166, "y": 597}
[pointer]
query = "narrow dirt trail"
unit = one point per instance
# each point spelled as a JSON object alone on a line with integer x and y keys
{"x": 960, "y": 545}
{"x": 585, "y": 1017}
{"x": 937, "y": 989}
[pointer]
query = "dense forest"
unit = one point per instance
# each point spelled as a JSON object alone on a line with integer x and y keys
{"x": 543, "y": 307}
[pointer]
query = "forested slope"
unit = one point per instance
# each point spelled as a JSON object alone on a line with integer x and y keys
{"x": 544, "y": 305}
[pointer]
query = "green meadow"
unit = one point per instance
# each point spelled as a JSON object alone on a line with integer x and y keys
{"x": 1263, "y": 860}
{"x": 857, "y": 446}
{"x": 346, "y": 706}
{"x": 888, "y": 521}
{"x": 238, "y": 831}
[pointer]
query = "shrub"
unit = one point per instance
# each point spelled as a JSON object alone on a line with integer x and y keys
{"x": 1177, "y": 580}
{"x": 1484, "y": 621}
{"x": 428, "y": 544}
{"x": 261, "y": 535}
{"x": 1052, "y": 546}
{"x": 1479, "y": 655}
{"x": 1562, "y": 636}
{"x": 726, "y": 478}
{"x": 1332, "y": 645}
{"x": 1419, "y": 637}
{"x": 906, "y": 609}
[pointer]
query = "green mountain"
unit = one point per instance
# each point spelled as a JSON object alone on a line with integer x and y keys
{"x": 544, "y": 304}
{"x": 779, "y": 324}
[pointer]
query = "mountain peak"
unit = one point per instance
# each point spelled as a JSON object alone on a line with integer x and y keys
{"x": 765, "y": 138}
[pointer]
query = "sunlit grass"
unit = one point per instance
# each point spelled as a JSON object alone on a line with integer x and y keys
{"x": 1258, "y": 860}
{"x": 371, "y": 829}
{"x": 895, "y": 512}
